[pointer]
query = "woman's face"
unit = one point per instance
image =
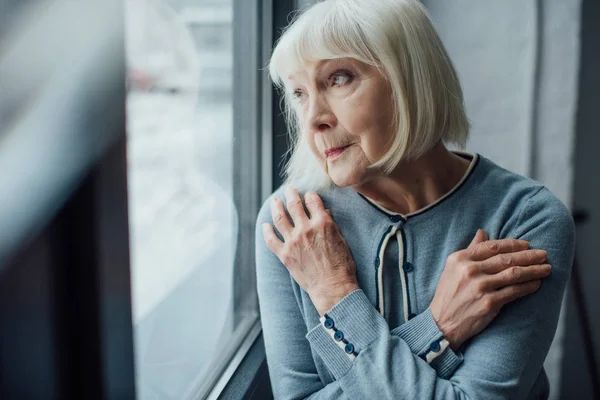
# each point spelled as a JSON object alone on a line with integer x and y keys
{"x": 345, "y": 104}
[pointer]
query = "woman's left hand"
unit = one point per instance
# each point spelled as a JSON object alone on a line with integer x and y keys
{"x": 314, "y": 251}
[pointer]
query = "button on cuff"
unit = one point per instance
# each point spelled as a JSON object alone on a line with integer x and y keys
{"x": 328, "y": 323}
{"x": 331, "y": 352}
{"x": 349, "y": 349}
{"x": 435, "y": 347}
{"x": 360, "y": 322}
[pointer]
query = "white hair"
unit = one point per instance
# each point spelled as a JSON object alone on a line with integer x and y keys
{"x": 398, "y": 38}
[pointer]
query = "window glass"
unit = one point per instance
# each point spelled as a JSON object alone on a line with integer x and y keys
{"x": 183, "y": 223}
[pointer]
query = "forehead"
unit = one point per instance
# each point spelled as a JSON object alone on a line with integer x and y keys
{"x": 312, "y": 69}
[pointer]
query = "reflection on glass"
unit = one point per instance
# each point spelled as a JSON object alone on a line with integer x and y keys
{"x": 183, "y": 224}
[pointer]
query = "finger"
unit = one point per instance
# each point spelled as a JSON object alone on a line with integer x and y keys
{"x": 314, "y": 204}
{"x": 515, "y": 275}
{"x": 480, "y": 237}
{"x": 514, "y": 292}
{"x": 500, "y": 262}
{"x": 294, "y": 206}
{"x": 483, "y": 251}
{"x": 271, "y": 239}
{"x": 280, "y": 219}
{"x": 329, "y": 212}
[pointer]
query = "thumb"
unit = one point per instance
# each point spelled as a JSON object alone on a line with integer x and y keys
{"x": 480, "y": 237}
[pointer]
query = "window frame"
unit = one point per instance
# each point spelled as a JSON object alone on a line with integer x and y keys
{"x": 253, "y": 111}
{"x": 251, "y": 164}
{"x": 249, "y": 377}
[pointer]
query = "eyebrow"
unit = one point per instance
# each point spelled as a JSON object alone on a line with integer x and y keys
{"x": 321, "y": 64}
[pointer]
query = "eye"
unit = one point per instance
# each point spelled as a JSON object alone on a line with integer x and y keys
{"x": 297, "y": 94}
{"x": 340, "y": 78}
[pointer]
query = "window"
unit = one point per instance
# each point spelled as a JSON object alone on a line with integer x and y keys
{"x": 194, "y": 165}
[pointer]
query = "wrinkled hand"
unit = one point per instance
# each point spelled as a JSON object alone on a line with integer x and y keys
{"x": 478, "y": 281}
{"x": 314, "y": 251}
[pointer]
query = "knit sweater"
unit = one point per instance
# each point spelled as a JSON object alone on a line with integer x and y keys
{"x": 381, "y": 341}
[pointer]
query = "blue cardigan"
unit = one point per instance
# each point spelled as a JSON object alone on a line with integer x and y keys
{"x": 381, "y": 342}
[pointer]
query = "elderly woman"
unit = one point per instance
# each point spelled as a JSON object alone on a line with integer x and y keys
{"x": 375, "y": 280}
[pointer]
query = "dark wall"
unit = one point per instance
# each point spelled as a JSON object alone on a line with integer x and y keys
{"x": 577, "y": 379}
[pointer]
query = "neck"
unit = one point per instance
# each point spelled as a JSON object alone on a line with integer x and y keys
{"x": 417, "y": 183}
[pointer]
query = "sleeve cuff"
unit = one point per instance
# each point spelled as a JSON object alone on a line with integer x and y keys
{"x": 419, "y": 333}
{"x": 360, "y": 324}
{"x": 446, "y": 363}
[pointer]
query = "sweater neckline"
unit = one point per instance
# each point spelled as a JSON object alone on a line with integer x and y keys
{"x": 473, "y": 157}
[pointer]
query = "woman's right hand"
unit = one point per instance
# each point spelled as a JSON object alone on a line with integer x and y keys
{"x": 478, "y": 281}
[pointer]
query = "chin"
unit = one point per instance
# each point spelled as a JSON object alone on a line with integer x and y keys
{"x": 344, "y": 179}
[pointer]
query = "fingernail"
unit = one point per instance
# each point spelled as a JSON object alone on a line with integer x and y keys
{"x": 547, "y": 269}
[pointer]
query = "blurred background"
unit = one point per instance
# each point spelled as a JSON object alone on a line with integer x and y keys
{"x": 138, "y": 138}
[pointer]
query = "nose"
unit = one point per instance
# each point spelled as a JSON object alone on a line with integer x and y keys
{"x": 321, "y": 117}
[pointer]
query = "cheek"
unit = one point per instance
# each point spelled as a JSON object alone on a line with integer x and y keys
{"x": 309, "y": 137}
{"x": 374, "y": 132}
{"x": 378, "y": 130}
{"x": 373, "y": 145}
{"x": 364, "y": 111}
{"x": 313, "y": 145}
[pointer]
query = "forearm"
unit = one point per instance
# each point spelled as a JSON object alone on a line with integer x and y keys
{"x": 421, "y": 334}
{"x": 328, "y": 296}
{"x": 384, "y": 365}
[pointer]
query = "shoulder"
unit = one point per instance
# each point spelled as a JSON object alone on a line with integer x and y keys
{"x": 542, "y": 212}
{"x": 519, "y": 199}
{"x": 525, "y": 209}
{"x": 331, "y": 198}
{"x": 503, "y": 187}
{"x": 268, "y": 266}
{"x": 531, "y": 212}
{"x": 546, "y": 223}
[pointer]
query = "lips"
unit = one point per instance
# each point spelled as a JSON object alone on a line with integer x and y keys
{"x": 334, "y": 151}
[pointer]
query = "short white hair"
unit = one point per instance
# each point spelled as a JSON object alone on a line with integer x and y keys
{"x": 398, "y": 38}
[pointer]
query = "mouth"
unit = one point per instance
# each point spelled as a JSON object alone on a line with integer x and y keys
{"x": 335, "y": 151}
